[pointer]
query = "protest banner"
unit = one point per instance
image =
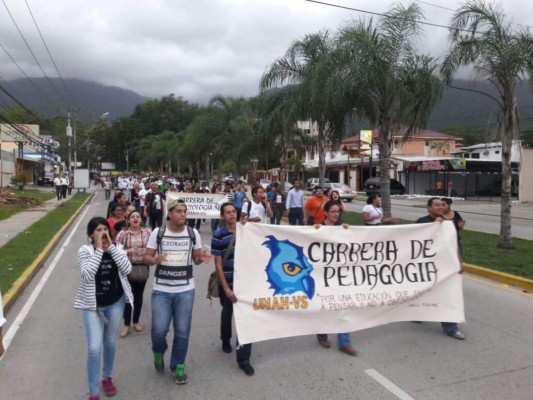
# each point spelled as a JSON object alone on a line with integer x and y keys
{"x": 292, "y": 281}
{"x": 201, "y": 205}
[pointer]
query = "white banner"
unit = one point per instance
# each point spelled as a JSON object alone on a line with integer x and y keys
{"x": 200, "y": 205}
{"x": 292, "y": 281}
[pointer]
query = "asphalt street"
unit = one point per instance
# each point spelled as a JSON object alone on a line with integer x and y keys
{"x": 480, "y": 216}
{"x": 46, "y": 356}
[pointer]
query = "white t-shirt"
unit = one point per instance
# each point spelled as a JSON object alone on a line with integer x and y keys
{"x": 178, "y": 249}
{"x": 142, "y": 193}
{"x": 2, "y": 319}
{"x": 255, "y": 210}
{"x": 373, "y": 212}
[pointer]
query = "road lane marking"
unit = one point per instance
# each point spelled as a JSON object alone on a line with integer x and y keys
{"x": 13, "y": 329}
{"x": 391, "y": 387}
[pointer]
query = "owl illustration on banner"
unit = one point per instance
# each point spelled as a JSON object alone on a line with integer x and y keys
{"x": 288, "y": 269}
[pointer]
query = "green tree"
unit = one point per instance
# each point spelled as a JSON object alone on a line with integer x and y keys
{"x": 502, "y": 54}
{"x": 386, "y": 81}
{"x": 307, "y": 66}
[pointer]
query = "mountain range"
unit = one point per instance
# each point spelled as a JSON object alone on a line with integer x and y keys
{"x": 471, "y": 108}
{"x": 88, "y": 99}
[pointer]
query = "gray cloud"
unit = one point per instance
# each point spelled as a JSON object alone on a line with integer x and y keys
{"x": 195, "y": 49}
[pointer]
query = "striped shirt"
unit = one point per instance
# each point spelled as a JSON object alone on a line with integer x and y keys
{"x": 89, "y": 260}
{"x": 219, "y": 243}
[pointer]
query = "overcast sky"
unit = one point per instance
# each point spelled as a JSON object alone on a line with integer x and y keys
{"x": 192, "y": 48}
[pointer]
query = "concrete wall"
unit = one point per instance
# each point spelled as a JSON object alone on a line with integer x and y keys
{"x": 7, "y": 167}
{"x": 526, "y": 177}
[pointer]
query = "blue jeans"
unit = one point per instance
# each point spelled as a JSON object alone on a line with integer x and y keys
{"x": 100, "y": 336}
{"x": 175, "y": 307}
{"x": 343, "y": 339}
{"x": 449, "y": 328}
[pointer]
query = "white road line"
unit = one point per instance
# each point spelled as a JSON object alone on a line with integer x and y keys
{"x": 13, "y": 329}
{"x": 388, "y": 384}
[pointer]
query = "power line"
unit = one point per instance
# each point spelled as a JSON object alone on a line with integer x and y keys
{"x": 33, "y": 55}
{"x": 26, "y": 75}
{"x": 451, "y": 9}
{"x": 73, "y": 99}
{"x": 388, "y": 16}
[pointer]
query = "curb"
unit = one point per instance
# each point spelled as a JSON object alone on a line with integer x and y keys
{"x": 502, "y": 277}
{"x": 23, "y": 280}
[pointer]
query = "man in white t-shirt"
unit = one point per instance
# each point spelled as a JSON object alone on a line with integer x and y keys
{"x": 177, "y": 247}
{"x": 142, "y": 195}
{"x": 57, "y": 186}
{"x": 258, "y": 209}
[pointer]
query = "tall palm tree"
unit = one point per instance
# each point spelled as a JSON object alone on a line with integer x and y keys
{"x": 386, "y": 81}
{"x": 308, "y": 67}
{"x": 502, "y": 54}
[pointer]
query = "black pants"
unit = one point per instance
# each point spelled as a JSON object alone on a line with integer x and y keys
{"x": 156, "y": 220}
{"x": 137, "y": 289}
{"x": 194, "y": 223}
{"x": 296, "y": 216}
{"x": 243, "y": 352}
{"x": 64, "y": 191}
{"x": 58, "y": 192}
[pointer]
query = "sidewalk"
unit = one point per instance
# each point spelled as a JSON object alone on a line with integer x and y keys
{"x": 11, "y": 227}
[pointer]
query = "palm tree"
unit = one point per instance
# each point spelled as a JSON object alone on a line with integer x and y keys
{"x": 385, "y": 81}
{"x": 307, "y": 66}
{"x": 503, "y": 55}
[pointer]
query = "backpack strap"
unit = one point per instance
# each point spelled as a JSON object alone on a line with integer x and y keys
{"x": 192, "y": 235}
{"x": 160, "y": 234}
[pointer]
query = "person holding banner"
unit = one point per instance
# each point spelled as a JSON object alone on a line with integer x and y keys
{"x": 223, "y": 249}
{"x": 333, "y": 211}
{"x": 435, "y": 210}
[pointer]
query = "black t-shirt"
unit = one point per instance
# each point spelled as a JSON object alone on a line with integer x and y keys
{"x": 107, "y": 282}
{"x": 427, "y": 218}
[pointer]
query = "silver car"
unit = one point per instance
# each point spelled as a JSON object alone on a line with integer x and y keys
{"x": 345, "y": 191}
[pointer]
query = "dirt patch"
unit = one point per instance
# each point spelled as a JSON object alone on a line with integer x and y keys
{"x": 8, "y": 197}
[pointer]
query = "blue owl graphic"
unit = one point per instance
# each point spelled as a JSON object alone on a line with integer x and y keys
{"x": 288, "y": 269}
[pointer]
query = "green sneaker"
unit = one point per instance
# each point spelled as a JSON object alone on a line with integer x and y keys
{"x": 181, "y": 376}
{"x": 159, "y": 362}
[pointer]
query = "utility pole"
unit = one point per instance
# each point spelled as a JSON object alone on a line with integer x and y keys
{"x": 69, "y": 136}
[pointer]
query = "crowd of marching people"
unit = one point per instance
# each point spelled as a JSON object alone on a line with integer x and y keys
{"x": 133, "y": 239}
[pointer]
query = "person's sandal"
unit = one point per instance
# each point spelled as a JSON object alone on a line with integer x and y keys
{"x": 138, "y": 327}
{"x": 124, "y": 331}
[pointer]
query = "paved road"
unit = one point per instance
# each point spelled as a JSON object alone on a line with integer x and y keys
{"x": 480, "y": 216}
{"x": 46, "y": 358}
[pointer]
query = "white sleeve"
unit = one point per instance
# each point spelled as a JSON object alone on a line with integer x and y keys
{"x": 198, "y": 244}
{"x": 246, "y": 208}
{"x": 152, "y": 241}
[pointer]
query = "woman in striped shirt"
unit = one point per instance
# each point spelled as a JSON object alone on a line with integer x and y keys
{"x": 101, "y": 295}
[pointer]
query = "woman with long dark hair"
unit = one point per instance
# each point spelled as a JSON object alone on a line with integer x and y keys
{"x": 134, "y": 239}
{"x": 102, "y": 292}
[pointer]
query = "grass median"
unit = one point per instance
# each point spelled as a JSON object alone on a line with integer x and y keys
{"x": 17, "y": 254}
{"x": 480, "y": 249}
{"x": 16, "y": 200}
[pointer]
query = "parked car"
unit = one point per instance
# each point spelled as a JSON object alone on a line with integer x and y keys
{"x": 312, "y": 182}
{"x": 373, "y": 185}
{"x": 265, "y": 183}
{"x": 345, "y": 191}
{"x": 229, "y": 179}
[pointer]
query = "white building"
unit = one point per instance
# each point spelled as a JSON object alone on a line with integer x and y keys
{"x": 489, "y": 151}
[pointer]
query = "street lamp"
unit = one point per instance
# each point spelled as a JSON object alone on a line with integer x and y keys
{"x": 254, "y": 162}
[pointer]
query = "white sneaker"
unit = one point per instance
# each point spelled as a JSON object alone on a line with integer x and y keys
{"x": 457, "y": 335}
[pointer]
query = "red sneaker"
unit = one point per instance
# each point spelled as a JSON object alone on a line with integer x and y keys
{"x": 109, "y": 388}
